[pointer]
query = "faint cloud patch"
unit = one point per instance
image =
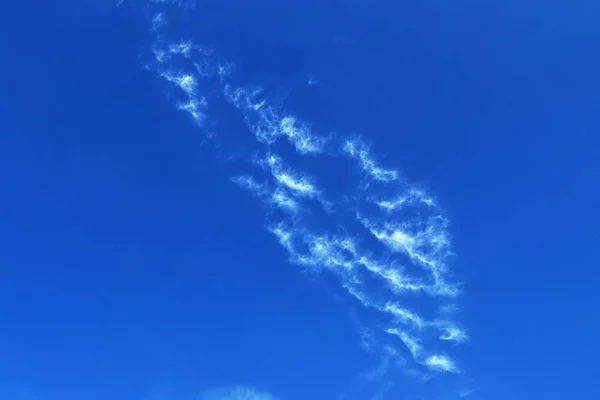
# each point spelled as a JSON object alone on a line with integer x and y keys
{"x": 466, "y": 393}
{"x": 236, "y": 393}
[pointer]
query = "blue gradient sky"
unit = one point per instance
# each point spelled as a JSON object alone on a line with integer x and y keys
{"x": 132, "y": 267}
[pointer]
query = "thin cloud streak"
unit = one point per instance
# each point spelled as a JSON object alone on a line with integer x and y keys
{"x": 359, "y": 151}
{"x": 276, "y": 197}
{"x": 297, "y": 183}
{"x": 413, "y": 197}
{"x": 411, "y": 343}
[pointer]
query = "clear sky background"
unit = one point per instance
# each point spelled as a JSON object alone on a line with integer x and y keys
{"x": 147, "y": 187}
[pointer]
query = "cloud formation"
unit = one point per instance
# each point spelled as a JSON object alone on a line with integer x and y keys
{"x": 384, "y": 239}
{"x": 270, "y": 124}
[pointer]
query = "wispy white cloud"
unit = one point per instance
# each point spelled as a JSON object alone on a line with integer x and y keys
{"x": 299, "y": 133}
{"x": 359, "y": 151}
{"x": 402, "y": 217}
{"x": 283, "y": 200}
{"x": 450, "y": 332}
{"x": 397, "y": 280}
{"x": 195, "y": 108}
{"x": 298, "y": 183}
{"x": 314, "y": 250}
{"x": 339, "y": 255}
{"x": 436, "y": 362}
{"x": 403, "y": 315}
{"x": 354, "y": 290}
{"x": 329, "y": 250}
{"x": 285, "y": 237}
{"x": 184, "y": 48}
{"x": 160, "y": 54}
{"x": 164, "y": 52}
{"x": 425, "y": 242}
{"x": 186, "y": 82}
{"x": 441, "y": 363}
{"x": 277, "y": 197}
{"x": 268, "y": 124}
{"x": 410, "y": 342}
{"x": 412, "y": 197}
{"x": 249, "y": 183}
{"x": 195, "y": 105}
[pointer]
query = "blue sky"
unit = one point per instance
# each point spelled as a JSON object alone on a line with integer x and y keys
{"x": 224, "y": 200}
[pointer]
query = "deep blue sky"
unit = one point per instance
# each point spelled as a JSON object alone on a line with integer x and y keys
{"x": 132, "y": 268}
